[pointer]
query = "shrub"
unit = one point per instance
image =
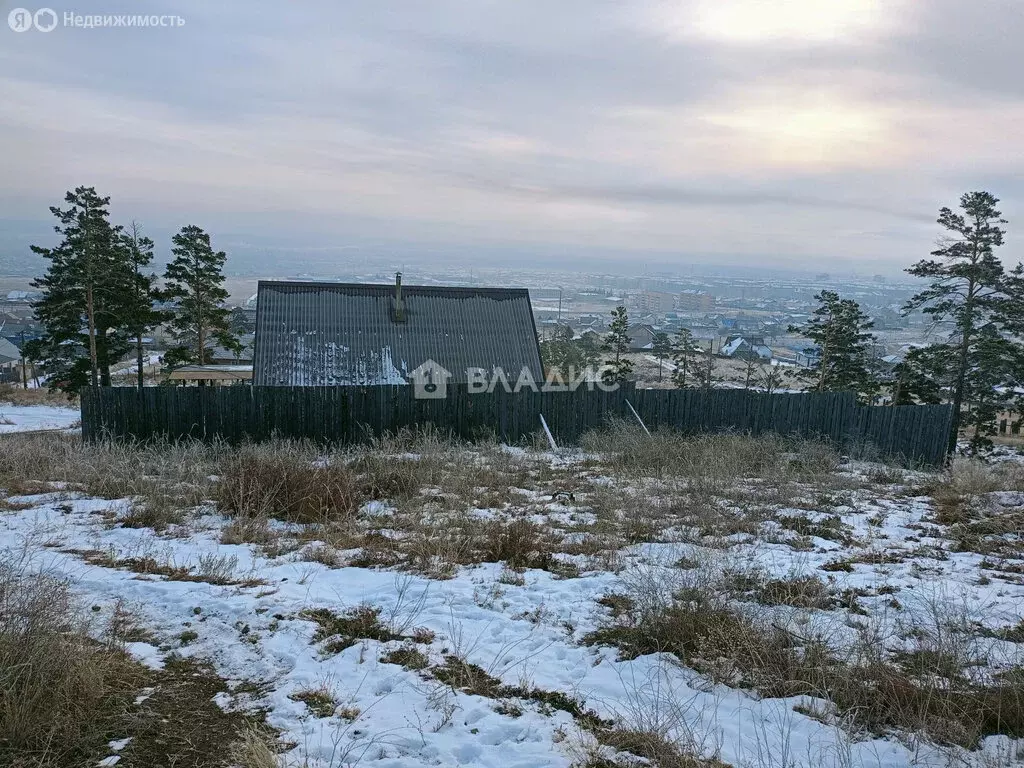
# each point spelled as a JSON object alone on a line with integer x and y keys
{"x": 287, "y": 480}
{"x": 519, "y": 544}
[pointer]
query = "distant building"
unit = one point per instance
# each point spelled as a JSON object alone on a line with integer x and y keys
{"x": 10, "y": 359}
{"x": 590, "y": 322}
{"x": 746, "y": 348}
{"x": 695, "y": 301}
{"x": 211, "y": 374}
{"x": 641, "y": 337}
{"x": 658, "y": 302}
{"x": 332, "y": 334}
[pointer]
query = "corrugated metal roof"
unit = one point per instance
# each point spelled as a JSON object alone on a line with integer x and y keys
{"x": 330, "y": 334}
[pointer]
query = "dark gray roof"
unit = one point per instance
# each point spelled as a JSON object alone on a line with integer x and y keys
{"x": 328, "y": 334}
{"x": 8, "y": 351}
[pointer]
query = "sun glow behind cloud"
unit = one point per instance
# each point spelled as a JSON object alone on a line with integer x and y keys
{"x": 805, "y": 130}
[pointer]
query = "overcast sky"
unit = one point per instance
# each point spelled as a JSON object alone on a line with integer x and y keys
{"x": 793, "y": 132}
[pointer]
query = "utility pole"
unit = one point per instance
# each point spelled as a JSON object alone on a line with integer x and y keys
{"x": 559, "y": 306}
{"x": 24, "y": 366}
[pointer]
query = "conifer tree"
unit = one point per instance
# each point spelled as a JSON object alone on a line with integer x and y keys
{"x": 566, "y": 355}
{"x": 194, "y": 280}
{"x": 83, "y": 295}
{"x": 141, "y": 315}
{"x": 971, "y": 290}
{"x": 240, "y": 322}
{"x": 616, "y": 344}
{"x": 708, "y": 367}
{"x": 769, "y": 380}
{"x": 684, "y": 357}
{"x": 923, "y": 376}
{"x": 842, "y": 356}
{"x": 662, "y": 348}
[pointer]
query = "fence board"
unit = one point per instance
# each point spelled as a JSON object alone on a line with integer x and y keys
{"x": 350, "y": 414}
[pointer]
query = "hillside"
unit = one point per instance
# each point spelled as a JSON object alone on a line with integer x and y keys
{"x": 654, "y": 600}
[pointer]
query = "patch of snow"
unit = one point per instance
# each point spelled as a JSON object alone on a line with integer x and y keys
{"x": 147, "y": 654}
{"x": 32, "y": 418}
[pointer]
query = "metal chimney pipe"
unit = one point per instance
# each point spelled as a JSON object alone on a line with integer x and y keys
{"x": 399, "y": 306}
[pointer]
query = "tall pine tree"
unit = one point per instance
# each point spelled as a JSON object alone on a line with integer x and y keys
{"x": 616, "y": 344}
{"x": 662, "y": 348}
{"x": 83, "y": 308}
{"x": 141, "y": 316}
{"x": 842, "y": 355}
{"x": 684, "y": 357}
{"x": 971, "y": 290}
{"x": 194, "y": 280}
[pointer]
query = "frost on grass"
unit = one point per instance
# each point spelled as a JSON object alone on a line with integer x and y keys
{"x": 651, "y": 600}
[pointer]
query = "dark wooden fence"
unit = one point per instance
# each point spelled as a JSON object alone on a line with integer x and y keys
{"x": 349, "y": 414}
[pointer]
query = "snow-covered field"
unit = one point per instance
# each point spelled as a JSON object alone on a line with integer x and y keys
{"x": 28, "y": 418}
{"x": 869, "y": 534}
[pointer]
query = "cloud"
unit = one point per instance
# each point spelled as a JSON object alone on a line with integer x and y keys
{"x": 636, "y": 125}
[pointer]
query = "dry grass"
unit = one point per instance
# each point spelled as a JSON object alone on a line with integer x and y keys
{"x": 15, "y": 395}
{"x": 341, "y": 631}
{"x": 928, "y": 688}
{"x": 286, "y": 480}
{"x": 651, "y": 747}
{"x": 60, "y": 691}
{"x": 710, "y": 461}
{"x": 320, "y": 701}
{"x": 960, "y": 494}
{"x": 163, "y": 478}
{"x": 253, "y": 749}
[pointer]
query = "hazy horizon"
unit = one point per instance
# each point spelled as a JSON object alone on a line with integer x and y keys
{"x": 797, "y": 136}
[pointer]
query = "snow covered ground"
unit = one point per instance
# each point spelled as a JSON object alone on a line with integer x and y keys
{"x": 29, "y": 418}
{"x": 248, "y": 609}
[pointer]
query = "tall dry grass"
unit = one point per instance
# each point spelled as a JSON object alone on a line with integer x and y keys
{"x": 61, "y": 692}
{"x": 16, "y": 395}
{"x": 711, "y": 461}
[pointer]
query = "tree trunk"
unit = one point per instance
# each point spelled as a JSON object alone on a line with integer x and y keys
{"x": 823, "y": 357}
{"x": 139, "y": 362}
{"x": 897, "y": 391}
{"x": 24, "y": 364}
{"x": 961, "y": 368}
{"x": 93, "y": 357}
{"x": 711, "y": 363}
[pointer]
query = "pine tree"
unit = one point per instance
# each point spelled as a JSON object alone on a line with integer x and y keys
{"x": 769, "y": 380}
{"x": 751, "y": 365}
{"x": 988, "y": 386}
{"x": 923, "y": 377}
{"x": 241, "y": 325}
{"x": 140, "y": 314}
{"x": 843, "y": 347}
{"x": 616, "y": 343}
{"x": 85, "y": 285}
{"x": 662, "y": 348}
{"x": 970, "y": 288}
{"x": 708, "y": 367}
{"x": 194, "y": 280}
{"x": 565, "y": 356}
{"x": 684, "y": 357}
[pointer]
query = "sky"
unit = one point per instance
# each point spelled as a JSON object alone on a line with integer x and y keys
{"x": 805, "y": 134}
